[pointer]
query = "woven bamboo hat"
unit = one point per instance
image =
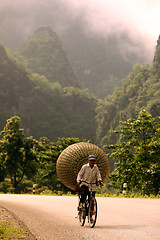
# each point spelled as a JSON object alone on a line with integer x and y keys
{"x": 74, "y": 157}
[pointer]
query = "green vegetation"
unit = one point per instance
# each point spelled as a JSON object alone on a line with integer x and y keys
{"x": 46, "y": 109}
{"x": 41, "y": 93}
{"x": 25, "y": 161}
{"x": 140, "y": 90}
{"x": 7, "y": 231}
{"x": 137, "y": 154}
{"x": 101, "y": 62}
{"x": 43, "y": 54}
{"x": 17, "y": 157}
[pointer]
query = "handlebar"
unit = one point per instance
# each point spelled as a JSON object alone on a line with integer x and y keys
{"x": 88, "y": 182}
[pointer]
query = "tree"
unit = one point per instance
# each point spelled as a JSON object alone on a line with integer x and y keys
{"x": 2, "y": 167}
{"x": 17, "y": 155}
{"x": 137, "y": 154}
{"x": 47, "y": 154}
{"x": 26, "y": 158}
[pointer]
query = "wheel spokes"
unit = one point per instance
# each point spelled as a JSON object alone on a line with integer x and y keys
{"x": 92, "y": 213}
{"x": 82, "y": 216}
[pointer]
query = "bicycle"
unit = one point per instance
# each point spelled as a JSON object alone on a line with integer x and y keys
{"x": 89, "y": 210}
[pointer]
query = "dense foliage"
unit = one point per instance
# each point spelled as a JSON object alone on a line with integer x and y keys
{"x": 140, "y": 90}
{"x": 17, "y": 158}
{"x": 43, "y": 54}
{"x": 25, "y": 161}
{"x": 45, "y": 108}
{"x": 137, "y": 154}
{"x": 52, "y": 108}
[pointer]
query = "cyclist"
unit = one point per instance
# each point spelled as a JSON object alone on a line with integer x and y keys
{"x": 87, "y": 178}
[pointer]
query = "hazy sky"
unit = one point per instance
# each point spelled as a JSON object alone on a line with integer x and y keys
{"x": 140, "y": 17}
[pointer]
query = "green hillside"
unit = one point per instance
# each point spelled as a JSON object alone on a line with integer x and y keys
{"x": 100, "y": 62}
{"x": 44, "y": 54}
{"x": 46, "y": 109}
{"x": 15, "y": 88}
{"x": 49, "y": 109}
{"x": 140, "y": 90}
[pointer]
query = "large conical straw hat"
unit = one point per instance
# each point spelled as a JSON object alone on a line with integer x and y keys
{"x": 74, "y": 157}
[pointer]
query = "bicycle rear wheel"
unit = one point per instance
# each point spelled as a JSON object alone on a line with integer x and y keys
{"x": 82, "y": 217}
{"x": 92, "y": 213}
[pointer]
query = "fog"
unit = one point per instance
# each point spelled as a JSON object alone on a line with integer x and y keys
{"x": 103, "y": 39}
{"x": 20, "y": 18}
{"x": 141, "y": 16}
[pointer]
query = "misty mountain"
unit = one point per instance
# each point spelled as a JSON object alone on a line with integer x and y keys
{"x": 15, "y": 87}
{"x": 99, "y": 59}
{"x": 46, "y": 109}
{"x": 140, "y": 90}
{"x": 100, "y": 62}
{"x": 44, "y": 54}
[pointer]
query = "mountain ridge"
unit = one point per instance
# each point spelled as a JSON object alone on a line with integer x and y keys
{"x": 45, "y": 55}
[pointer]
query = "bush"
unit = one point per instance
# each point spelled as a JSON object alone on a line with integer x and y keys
{"x": 5, "y": 187}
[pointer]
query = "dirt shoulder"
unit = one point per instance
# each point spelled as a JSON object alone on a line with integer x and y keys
{"x": 7, "y": 216}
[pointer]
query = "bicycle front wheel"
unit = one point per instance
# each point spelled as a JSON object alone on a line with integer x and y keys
{"x": 92, "y": 213}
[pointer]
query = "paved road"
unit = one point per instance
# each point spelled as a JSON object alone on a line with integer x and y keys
{"x": 53, "y": 217}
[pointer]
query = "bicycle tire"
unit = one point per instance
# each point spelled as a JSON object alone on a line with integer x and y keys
{"x": 82, "y": 216}
{"x": 92, "y": 213}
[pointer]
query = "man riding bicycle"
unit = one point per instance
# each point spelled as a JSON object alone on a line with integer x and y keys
{"x": 87, "y": 179}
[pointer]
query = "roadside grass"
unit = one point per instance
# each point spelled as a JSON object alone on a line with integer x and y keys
{"x": 7, "y": 231}
{"x": 98, "y": 194}
{"x": 121, "y": 195}
{"x": 128, "y": 195}
{"x": 117, "y": 195}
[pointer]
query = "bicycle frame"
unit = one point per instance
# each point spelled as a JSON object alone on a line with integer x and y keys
{"x": 89, "y": 210}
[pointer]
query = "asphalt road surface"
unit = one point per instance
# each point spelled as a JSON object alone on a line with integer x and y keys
{"x": 54, "y": 217}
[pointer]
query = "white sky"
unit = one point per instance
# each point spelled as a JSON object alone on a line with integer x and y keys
{"x": 139, "y": 16}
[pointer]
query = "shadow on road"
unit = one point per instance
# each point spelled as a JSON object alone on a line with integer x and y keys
{"x": 120, "y": 227}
